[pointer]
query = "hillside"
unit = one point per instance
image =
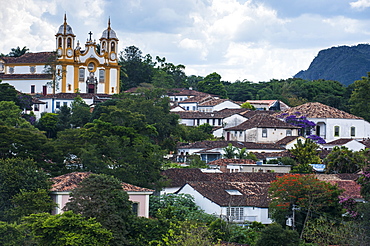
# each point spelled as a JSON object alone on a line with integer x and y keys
{"x": 344, "y": 64}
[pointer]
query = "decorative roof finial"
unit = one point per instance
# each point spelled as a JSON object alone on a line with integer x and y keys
{"x": 65, "y": 17}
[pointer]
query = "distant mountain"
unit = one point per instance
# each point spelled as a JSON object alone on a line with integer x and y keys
{"x": 345, "y": 64}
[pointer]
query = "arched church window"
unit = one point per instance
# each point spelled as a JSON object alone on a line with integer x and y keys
{"x": 59, "y": 42}
{"x": 103, "y": 46}
{"x": 113, "y": 47}
{"x": 69, "y": 43}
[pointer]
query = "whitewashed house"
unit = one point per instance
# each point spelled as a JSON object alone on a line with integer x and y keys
{"x": 332, "y": 123}
{"x": 261, "y": 128}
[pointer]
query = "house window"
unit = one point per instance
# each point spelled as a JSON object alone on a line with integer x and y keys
{"x": 240, "y": 134}
{"x": 135, "y": 208}
{"x": 187, "y": 108}
{"x": 32, "y": 89}
{"x": 289, "y": 132}
{"x": 193, "y": 108}
{"x": 46, "y": 105}
{"x": 65, "y": 104}
{"x": 11, "y": 70}
{"x": 57, "y": 105}
{"x": 81, "y": 75}
{"x": 264, "y": 132}
{"x": 32, "y": 69}
{"x": 219, "y": 122}
{"x": 336, "y": 131}
{"x": 36, "y": 107}
{"x": 353, "y": 131}
{"x": 101, "y": 76}
{"x": 235, "y": 213}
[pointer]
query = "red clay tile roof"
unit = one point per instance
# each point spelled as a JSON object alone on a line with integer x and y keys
{"x": 72, "y": 96}
{"x": 197, "y": 99}
{"x": 264, "y": 155}
{"x": 185, "y": 92}
{"x": 225, "y": 162}
{"x": 250, "y": 113}
{"x": 177, "y": 177}
{"x": 212, "y": 102}
{"x": 133, "y": 188}
{"x": 319, "y": 110}
{"x": 209, "y": 115}
{"x": 223, "y": 144}
{"x": 366, "y": 142}
{"x": 340, "y": 141}
{"x": 253, "y": 186}
{"x": 70, "y": 181}
{"x": 253, "y": 193}
{"x": 267, "y": 102}
{"x": 40, "y": 57}
{"x": 261, "y": 121}
{"x": 346, "y": 181}
{"x": 287, "y": 140}
{"x": 25, "y": 76}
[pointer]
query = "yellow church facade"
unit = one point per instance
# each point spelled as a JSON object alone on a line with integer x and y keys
{"x": 72, "y": 69}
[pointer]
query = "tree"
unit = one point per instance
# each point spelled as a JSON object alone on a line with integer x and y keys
{"x": 212, "y": 84}
{"x": 305, "y": 153}
{"x": 16, "y": 52}
{"x": 31, "y": 202}
{"x": 18, "y": 179}
{"x": 80, "y": 112}
{"x": 11, "y": 115}
{"x": 102, "y": 197}
{"x": 184, "y": 233}
{"x": 23, "y": 143}
{"x": 11, "y": 234}
{"x": 247, "y": 105}
{"x": 229, "y": 151}
{"x": 134, "y": 68}
{"x": 276, "y": 235}
{"x": 305, "y": 192}
{"x": 66, "y": 229}
{"x": 48, "y": 123}
{"x": 360, "y": 98}
{"x": 343, "y": 160}
{"x": 7, "y": 92}
{"x": 55, "y": 70}
{"x": 180, "y": 205}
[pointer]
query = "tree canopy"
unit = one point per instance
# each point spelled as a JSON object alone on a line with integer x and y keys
{"x": 102, "y": 197}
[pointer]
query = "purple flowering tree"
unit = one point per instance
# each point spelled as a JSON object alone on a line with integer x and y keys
{"x": 306, "y": 126}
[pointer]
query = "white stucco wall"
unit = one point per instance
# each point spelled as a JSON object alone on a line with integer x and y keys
{"x": 250, "y": 213}
{"x": 362, "y": 128}
{"x": 233, "y": 120}
{"x": 224, "y": 105}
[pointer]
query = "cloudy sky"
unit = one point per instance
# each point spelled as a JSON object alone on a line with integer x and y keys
{"x": 257, "y": 40}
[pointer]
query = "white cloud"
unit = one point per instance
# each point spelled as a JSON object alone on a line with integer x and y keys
{"x": 360, "y": 4}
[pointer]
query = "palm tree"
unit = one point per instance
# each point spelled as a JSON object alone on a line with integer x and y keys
{"x": 16, "y": 52}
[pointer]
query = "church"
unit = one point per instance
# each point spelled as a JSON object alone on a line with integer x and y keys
{"x": 56, "y": 77}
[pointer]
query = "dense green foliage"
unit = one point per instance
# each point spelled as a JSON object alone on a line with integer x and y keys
{"x": 66, "y": 229}
{"x": 343, "y": 160}
{"x": 21, "y": 181}
{"x": 360, "y": 98}
{"x": 102, "y": 197}
{"x": 276, "y": 235}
